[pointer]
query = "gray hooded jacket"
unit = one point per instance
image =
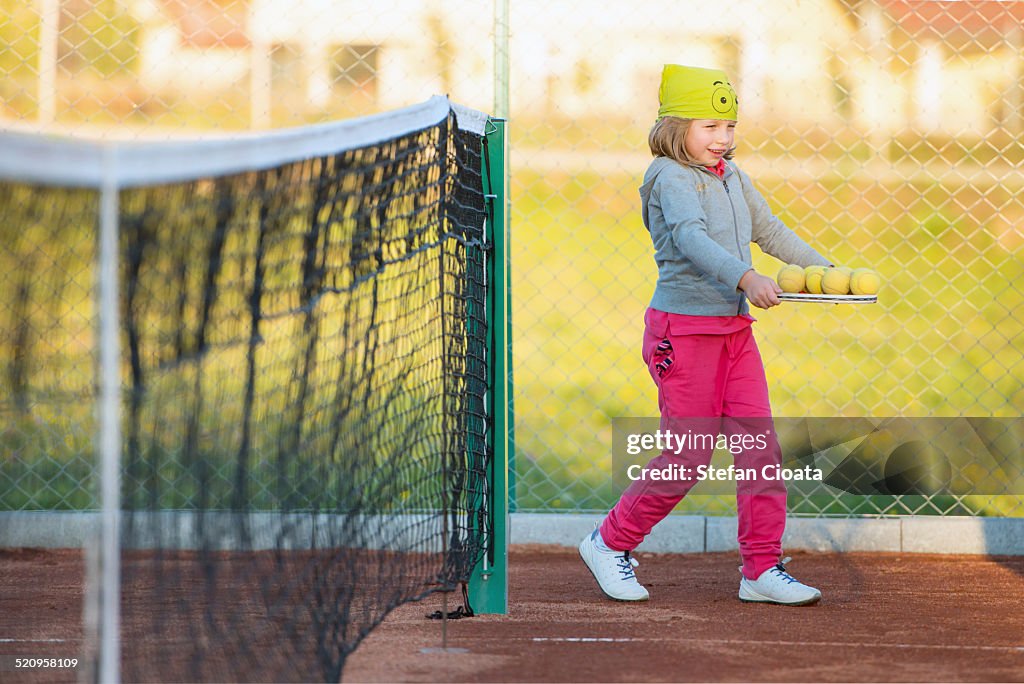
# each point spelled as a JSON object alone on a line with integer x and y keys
{"x": 702, "y": 227}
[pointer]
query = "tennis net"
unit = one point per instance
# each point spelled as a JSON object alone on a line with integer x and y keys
{"x": 300, "y": 343}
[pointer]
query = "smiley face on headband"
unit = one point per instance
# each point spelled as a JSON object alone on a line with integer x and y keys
{"x": 696, "y": 93}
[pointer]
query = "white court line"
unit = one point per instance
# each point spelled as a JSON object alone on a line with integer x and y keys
{"x": 32, "y": 641}
{"x": 587, "y": 639}
{"x": 755, "y": 642}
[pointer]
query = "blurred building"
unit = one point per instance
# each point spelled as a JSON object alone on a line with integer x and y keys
{"x": 949, "y": 67}
{"x": 882, "y": 65}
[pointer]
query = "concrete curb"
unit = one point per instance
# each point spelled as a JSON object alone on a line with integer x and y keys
{"x": 676, "y": 534}
{"x": 221, "y": 530}
{"x": 48, "y": 530}
{"x": 696, "y": 534}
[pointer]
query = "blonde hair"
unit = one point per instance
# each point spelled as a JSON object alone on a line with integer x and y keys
{"x": 667, "y": 139}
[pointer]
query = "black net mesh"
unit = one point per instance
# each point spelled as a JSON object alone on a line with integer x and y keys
{"x": 305, "y": 376}
{"x": 307, "y": 368}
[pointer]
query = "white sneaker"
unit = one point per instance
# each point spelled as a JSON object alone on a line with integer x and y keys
{"x": 775, "y": 585}
{"x": 613, "y": 570}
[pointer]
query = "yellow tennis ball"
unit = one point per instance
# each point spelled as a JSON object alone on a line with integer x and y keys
{"x": 791, "y": 278}
{"x": 812, "y": 278}
{"x": 836, "y": 281}
{"x": 864, "y": 281}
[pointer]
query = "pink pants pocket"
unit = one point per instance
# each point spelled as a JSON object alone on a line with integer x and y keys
{"x": 663, "y": 357}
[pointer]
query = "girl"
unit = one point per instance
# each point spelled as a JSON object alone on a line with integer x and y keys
{"x": 702, "y": 213}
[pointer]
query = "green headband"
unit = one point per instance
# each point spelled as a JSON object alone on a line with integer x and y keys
{"x": 694, "y": 93}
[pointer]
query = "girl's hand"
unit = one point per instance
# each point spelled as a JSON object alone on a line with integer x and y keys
{"x": 762, "y": 291}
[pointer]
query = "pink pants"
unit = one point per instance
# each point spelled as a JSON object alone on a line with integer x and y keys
{"x": 710, "y": 381}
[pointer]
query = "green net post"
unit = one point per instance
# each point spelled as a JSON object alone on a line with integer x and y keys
{"x": 488, "y": 585}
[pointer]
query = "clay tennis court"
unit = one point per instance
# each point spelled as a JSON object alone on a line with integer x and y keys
{"x": 884, "y": 617}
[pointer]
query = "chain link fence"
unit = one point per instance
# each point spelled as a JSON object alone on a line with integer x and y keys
{"x": 887, "y": 133}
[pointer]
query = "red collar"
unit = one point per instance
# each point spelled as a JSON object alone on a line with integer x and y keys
{"x": 718, "y": 169}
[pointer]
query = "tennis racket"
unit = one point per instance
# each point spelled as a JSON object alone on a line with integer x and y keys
{"x": 809, "y": 298}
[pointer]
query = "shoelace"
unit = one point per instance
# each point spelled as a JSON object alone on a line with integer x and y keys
{"x": 780, "y": 570}
{"x": 626, "y": 565}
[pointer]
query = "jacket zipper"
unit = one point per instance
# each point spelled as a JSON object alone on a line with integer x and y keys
{"x": 736, "y": 234}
